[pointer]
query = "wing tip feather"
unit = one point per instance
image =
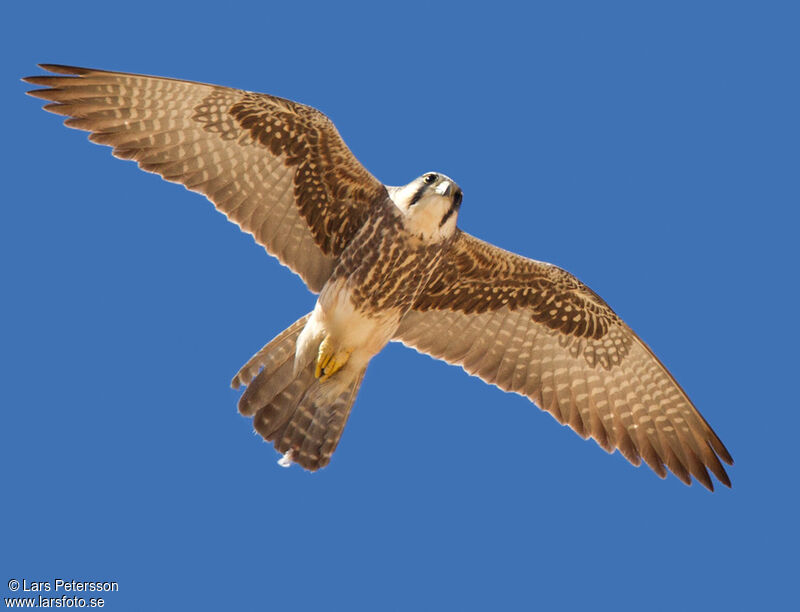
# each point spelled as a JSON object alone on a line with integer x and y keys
{"x": 65, "y": 69}
{"x": 42, "y": 94}
{"x": 46, "y": 79}
{"x": 720, "y": 449}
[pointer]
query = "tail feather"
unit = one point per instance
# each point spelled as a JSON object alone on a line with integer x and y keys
{"x": 291, "y": 407}
{"x": 314, "y": 444}
{"x": 273, "y": 355}
{"x": 330, "y": 429}
{"x": 308, "y": 417}
{"x": 268, "y": 384}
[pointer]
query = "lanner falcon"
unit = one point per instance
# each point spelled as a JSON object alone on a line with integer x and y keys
{"x": 388, "y": 263}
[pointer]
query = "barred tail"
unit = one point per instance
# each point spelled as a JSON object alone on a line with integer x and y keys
{"x": 303, "y": 417}
{"x": 277, "y": 351}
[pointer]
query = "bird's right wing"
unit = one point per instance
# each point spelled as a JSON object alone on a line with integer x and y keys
{"x": 276, "y": 168}
{"x": 534, "y": 329}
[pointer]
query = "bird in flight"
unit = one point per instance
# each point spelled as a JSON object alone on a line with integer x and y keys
{"x": 389, "y": 264}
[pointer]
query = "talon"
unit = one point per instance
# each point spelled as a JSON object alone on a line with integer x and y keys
{"x": 329, "y": 360}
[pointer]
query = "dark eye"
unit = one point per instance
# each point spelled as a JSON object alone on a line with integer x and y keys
{"x": 429, "y": 178}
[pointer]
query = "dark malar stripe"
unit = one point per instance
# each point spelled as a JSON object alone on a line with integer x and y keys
{"x": 418, "y": 194}
{"x": 450, "y": 211}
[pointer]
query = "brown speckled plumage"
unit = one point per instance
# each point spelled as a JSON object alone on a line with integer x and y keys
{"x": 277, "y": 169}
{"x": 478, "y": 277}
{"x": 385, "y": 270}
{"x": 280, "y": 170}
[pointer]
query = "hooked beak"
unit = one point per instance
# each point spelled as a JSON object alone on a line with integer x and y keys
{"x": 444, "y": 188}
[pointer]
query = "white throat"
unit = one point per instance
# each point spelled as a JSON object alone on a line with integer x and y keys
{"x": 424, "y": 217}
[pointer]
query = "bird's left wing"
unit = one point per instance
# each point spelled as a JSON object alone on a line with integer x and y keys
{"x": 276, "y": 168}
{"x": 534, "y": 329}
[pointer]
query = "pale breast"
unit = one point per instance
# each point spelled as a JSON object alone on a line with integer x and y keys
{"x": 375, "y": 283}
{"x": 385, "y": 266}
{"x": 354, "y": 325}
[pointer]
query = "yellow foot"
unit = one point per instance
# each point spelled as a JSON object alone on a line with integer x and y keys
{"x": 329, "y": 360}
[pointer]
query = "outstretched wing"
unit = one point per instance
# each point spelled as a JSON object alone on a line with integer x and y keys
{"x": 276, "y": 168}
{"x": 532, "y": 328}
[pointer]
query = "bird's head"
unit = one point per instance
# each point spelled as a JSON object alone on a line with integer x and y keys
{"x": 429, "y": 205}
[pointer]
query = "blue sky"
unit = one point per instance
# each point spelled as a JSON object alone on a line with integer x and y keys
{"x": 649, "y": 149}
